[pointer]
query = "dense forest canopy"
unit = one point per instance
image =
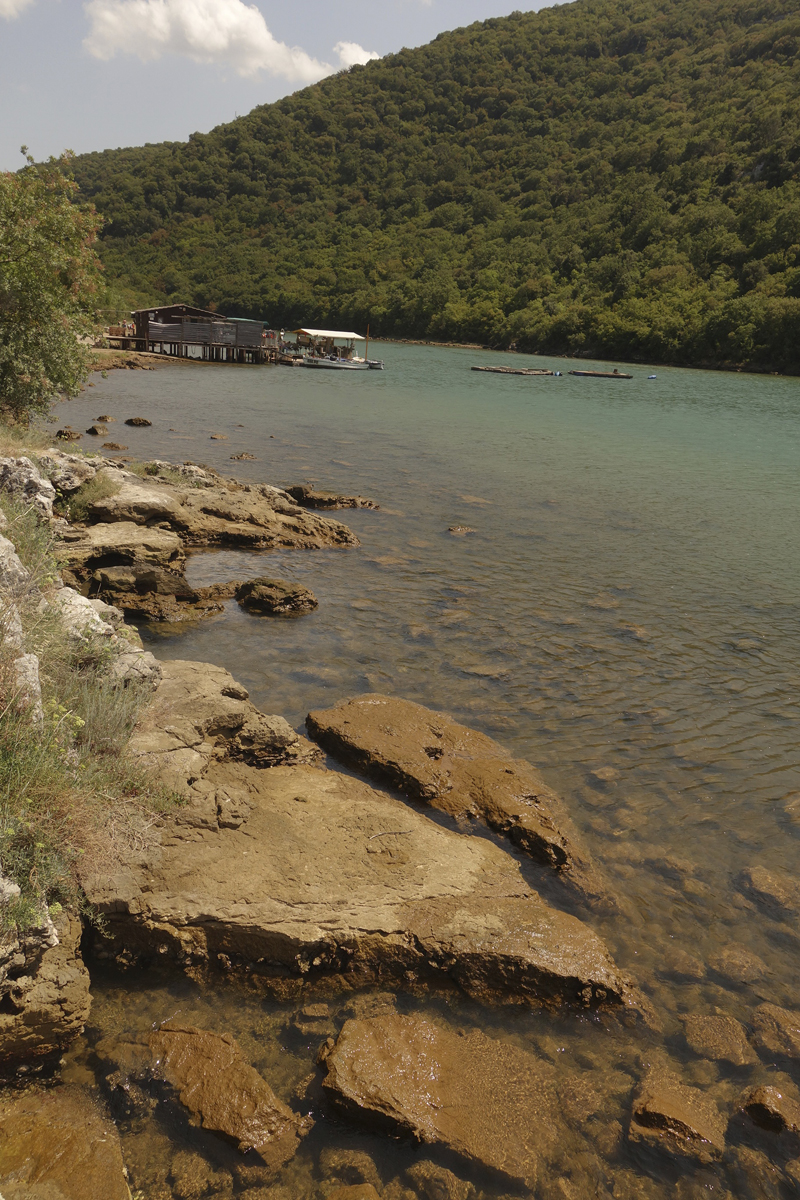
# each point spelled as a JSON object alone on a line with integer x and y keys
{"x": 615, "y": 177}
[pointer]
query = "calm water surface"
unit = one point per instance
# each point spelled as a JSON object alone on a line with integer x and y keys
{"x": 628, "y": 600}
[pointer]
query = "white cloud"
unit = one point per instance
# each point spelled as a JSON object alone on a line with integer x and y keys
{"x": 350, "y": 54}
{"x": 208, "y": 31}
{"x": 12, "y": 8}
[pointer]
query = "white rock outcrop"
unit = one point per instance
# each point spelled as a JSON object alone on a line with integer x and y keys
{"x": 22, "y": 479}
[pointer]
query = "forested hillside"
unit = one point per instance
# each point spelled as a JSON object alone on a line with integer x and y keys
{"x": 617, "y": 177}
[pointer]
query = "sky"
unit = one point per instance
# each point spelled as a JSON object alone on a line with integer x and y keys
{"x": 96, "y": 74}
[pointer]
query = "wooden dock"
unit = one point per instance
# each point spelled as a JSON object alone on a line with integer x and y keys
{"x": 514, "y": 370}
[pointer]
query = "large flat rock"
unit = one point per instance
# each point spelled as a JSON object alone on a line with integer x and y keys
{"x": 303, "y": 873}
{"x": 58, "y": 1145}
{"x": 432, "y": 758}
{"x": 492, "y": 1104}
{"x": 85, "y": 550}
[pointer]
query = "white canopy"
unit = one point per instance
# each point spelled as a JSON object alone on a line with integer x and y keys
{"x": 331, "y": 333}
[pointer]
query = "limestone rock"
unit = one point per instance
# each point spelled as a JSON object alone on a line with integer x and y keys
{"x": 354, "y": 1191}
{"x": 326, "y": 877}
{"x": 490, "y": 1103}
{"x": 97, "y": 431}
{"x": 720, "y": 1038}
{"x": 464, "y": 773}
{"x": 773, "y": 1108}
{"x": 681, "y": 1119}
{"x": 86, "y": 550}
{"x": 68, "y": 435}
{"x": 21, "y": 479}
{"x": 775, "y": 892}
{"x": 28, "y": 688}
{"x": 136, "y": 666}
{"x": 275, "y": 597}
{"x": 57, "y": 1145}
{"x": 14, "y": 579}
{"x": 44, "y": 989}
{"x": 200, "y": 714}
{"x": 78, "y": 615}
{"x": 311, "y": 497}
{"x": 133, "y": 502}
{"x": 138, "y": 421}
{"x": 777, "y": 1030}
{"x": 67, "y": 472}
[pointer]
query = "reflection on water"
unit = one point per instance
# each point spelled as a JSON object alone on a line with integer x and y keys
{"x": 625, "y": 615}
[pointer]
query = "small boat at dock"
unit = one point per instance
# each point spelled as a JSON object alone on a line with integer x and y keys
{"x": 515, "y": 370}
{"x": 601, "y": 374}
{"x": 334, "y": 350}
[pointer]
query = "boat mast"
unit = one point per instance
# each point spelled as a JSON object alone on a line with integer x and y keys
{"x": 366, "y": 352}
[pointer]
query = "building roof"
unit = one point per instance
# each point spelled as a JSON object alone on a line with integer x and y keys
{"x": 331, "y": 333}
{"x": 187, "y": 310}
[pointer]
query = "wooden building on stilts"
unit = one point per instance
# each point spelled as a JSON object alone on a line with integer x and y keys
{"x": 183, "y": 331}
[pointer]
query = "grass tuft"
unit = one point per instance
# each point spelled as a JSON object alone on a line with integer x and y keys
{"x": 76, "y": 507}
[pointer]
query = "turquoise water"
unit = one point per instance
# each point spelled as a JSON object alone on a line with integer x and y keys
{"x": 628, "y": 600}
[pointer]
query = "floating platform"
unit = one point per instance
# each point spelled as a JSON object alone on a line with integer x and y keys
{"x": 601, "y": 374}
{"x": 515, "y": 370}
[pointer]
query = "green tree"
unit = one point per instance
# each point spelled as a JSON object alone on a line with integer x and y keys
{"x": 49, "y": 277}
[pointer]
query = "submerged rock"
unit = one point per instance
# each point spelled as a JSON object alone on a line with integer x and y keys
{"x": 738, "y": 965}
{"x": 720, "y": 1038}
{"x": 773, "y": 1108}
{"x": 275, "y": 597}
{"x": 492, "y": 1104}
{"x": 57, "y": 1145}
{"x": 432, "y": 1182}
{"x": 311, "y": 497}
{"x": 44, "y": 989}
{"x": 777, "y": 1030}
{"x": 775, "y": 892}
{"x": 430, "y": 757}
{"x": 678, "y": 1118}
{"x": 320, "y": 875}
{"x": 217, "y": 1085}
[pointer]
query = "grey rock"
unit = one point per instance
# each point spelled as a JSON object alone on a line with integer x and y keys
{"x": 67, "y": 472}
{"x": 28, "y": 688}
{"x": 14, "y": 579}
{"x": 136, "y": 666}
{"x": 21, "y": 479}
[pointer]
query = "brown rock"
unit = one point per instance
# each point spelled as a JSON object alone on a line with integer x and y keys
{"x": 772, "y": 1108}
{"x": 105, "y": 420}
{"x": 124, "y": 542}
{"x": 492, "y": 1104}
{"x": 57, "y": 1145}
{"x": 229, "y": 1096}
{"x": 243, "y": 457}
{"x": 199, "y": 714}
{"x": 113, "y": 446}
{"x": 44, "y": 990}
{"x": 326, "y": 876}
{"x": 738, "y": 965}
{"x": 460, "y": 530}
{"x": 134, "y": 502}
{"x": 139, "y": 421}
{"x": 355, "y": 1191}
{"x": 276, "y": 597}
{"x": 680, "y": 1119}
{"x": 775, "y": 892}
{"x": 432, "y": 1182}
{"x": 720, "y": 1038}
{"x": 68, "y": 435}
{"x": 310, "y": 497}
{"x": 97, "y": 430}
{"x": 430, "y": 757}
{"x": 350, "y": 1166}
{"x": 777, "y": 1030}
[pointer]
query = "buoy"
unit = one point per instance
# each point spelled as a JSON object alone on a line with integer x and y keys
{"x": 652, "y": 377}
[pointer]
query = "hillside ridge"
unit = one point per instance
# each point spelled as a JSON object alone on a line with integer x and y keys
{"x": 609, "y": 177}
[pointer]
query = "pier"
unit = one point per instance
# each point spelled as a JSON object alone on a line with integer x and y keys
{"x": 182, "y": 331}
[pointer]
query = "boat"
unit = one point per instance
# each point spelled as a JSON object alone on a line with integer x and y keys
{"x": 515, "y": 370}
{"x": 615, "y": 374}
{"x": 333, "y": 350}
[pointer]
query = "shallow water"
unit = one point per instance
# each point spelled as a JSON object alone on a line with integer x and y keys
{"x": 628, "y": 600}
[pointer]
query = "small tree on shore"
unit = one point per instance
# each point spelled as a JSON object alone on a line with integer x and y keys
{"x": 49, "y": 277}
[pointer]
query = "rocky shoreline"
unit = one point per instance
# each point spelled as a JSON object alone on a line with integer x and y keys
{"x": 286, "y": 870}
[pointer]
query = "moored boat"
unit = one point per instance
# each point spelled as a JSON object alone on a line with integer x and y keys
{"x": 615, "y": 374}
{"x": 515, "y": 370}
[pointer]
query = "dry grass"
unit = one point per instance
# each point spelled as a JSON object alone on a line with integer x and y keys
{"x": 76, "y": 507}
{"x": 70, "y": 798}
{"x": 17, "y": 440}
